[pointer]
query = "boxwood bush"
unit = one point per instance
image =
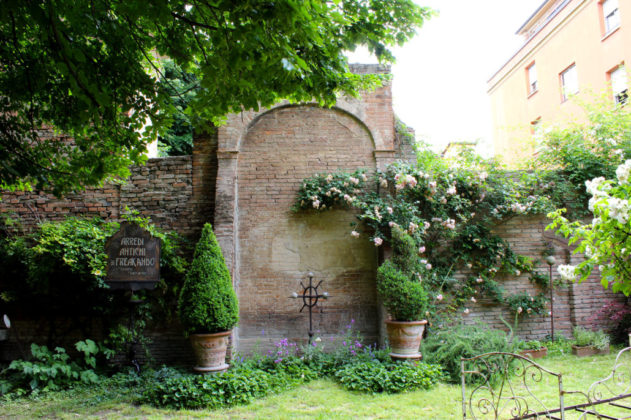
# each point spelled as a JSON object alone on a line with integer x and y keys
{"x": 208, "y": 303}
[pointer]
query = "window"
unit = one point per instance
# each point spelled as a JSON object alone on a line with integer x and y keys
{"x": 569, "y": 82}
{"x": 611, "y": 15}
{"x": 537, "y": 135}
{"x": 619, "y": 85}
{"x": 531, "y": 74}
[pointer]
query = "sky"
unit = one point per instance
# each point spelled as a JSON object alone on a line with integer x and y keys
{"x": 439, "y": 78}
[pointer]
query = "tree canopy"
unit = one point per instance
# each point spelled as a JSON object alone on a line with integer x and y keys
{"x": 89, "y": 70}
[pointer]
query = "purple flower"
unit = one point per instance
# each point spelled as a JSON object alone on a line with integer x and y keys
{"x": 278, "y": 360}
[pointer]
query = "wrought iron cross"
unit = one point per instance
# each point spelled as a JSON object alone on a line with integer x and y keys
{"x": 310, "y": 297}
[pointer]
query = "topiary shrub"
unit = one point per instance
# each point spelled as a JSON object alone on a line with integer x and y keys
{"x": 398, "y": 281}
{"x": 208, "y": 303}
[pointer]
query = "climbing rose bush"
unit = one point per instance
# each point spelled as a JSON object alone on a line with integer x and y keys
{"x": 605, "y": 241}
{"x": 449, "y": 208}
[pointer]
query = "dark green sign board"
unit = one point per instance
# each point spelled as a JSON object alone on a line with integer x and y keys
{"x": 133, "y": 258}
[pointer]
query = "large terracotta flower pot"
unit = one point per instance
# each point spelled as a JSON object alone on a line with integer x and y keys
{"x": 534, "y": 354}
{"x": 210, "y": 351}
{"x": 405, "y": 338}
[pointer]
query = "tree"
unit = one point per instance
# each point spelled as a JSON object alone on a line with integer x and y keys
{"x": 89, "y": 69}
{"x": 606, "y": 241}
{"x": 182, "y": 86}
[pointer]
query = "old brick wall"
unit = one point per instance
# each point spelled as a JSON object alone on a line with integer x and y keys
{"x": 277, "y": 248}
{"x": 243, "y": 177}
{"x": 161, "y": 190}
{"x": 574, "y": 304}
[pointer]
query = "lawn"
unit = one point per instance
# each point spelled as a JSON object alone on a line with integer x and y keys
{"x": 321, "y": 399}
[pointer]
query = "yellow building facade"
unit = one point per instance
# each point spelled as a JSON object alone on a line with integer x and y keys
{"x": 571, "y": 47}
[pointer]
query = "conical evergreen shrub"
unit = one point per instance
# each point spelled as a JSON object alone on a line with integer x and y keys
{"x": 208, "y": 303}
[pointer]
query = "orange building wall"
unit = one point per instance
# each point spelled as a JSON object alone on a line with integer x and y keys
{"x": 575, "y": 35}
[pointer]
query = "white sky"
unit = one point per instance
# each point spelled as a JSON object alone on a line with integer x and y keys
{"x": 439, "y": 79}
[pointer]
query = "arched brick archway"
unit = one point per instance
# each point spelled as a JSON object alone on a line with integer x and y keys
{"x": 275, "y": 248}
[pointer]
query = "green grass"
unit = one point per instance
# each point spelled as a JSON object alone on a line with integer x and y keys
{"x": 321, "y": 399}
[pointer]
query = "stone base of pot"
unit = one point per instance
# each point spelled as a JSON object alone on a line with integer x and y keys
{"x": 210, "y": 351}
{"x": 405, "y": 339}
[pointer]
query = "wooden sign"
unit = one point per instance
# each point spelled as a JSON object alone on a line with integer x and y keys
{"x": 133, "y": 258}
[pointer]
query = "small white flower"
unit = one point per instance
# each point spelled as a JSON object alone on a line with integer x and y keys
{"x": 466, "y": 311}
{"x": 567, "y": 272}
{"x": 421, "y": 250}
{"x": 378, "y": 241}
{"x": 428, "y": 266}
{"x": 439, "y": 297}
{"x": 355, "y": 234}
{"x": 520, "y": 310}
{"x": 473, "y": 299}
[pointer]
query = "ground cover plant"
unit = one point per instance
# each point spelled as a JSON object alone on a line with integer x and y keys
{"x": 117, "y": 397}
{"x": 354, "y": 366}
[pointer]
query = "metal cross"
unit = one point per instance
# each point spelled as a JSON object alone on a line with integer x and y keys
{"x": 310, "y": 297}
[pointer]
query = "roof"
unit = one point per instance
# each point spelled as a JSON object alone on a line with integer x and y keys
{"x": 531, "y": 17}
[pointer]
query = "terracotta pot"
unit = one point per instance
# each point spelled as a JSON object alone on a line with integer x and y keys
{"x": 588, "y": 351}
{"x": 210, "y": 351}
{"x": 405, "y": 338}
{"x": 534, "y": 354}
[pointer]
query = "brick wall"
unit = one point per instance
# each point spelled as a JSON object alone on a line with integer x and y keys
{"x": 573, "y": 304}
{"x": 243, "y": 177}
{"x": 277, "y": 248}
{"x": 162, "y": 190}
